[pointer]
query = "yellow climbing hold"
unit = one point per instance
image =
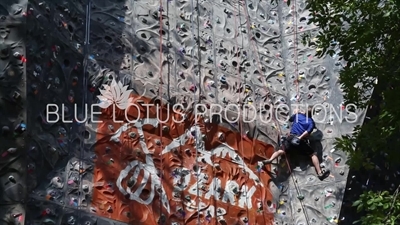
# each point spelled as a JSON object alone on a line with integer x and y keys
{"x": 279, "y": 211}
{"x": 281, "y": 202}
{"x": 318, "y": 49}
{"x": 281, "y": 74}
{"x": 314, "y": 39}
{"x": 301, "y": 77}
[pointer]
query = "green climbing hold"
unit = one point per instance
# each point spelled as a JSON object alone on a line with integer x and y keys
{"x": 300, "y": 197}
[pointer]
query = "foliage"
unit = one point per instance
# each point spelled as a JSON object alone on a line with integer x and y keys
{"x": 367, "y": 33}
{"x": 380, "y": 207}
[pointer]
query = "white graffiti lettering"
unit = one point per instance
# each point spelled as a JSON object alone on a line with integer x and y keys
{"x": 182, "y": 175}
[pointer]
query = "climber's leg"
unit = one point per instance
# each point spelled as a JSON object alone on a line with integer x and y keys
{"x": 306, "y": 149}
{"x": 274, "y": 156}
{"x": 285, "y": 146}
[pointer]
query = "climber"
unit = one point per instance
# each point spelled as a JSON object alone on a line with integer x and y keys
{"x": 302, "y": 126}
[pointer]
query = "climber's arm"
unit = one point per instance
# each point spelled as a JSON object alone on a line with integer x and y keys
{"x": 309, "y": 129}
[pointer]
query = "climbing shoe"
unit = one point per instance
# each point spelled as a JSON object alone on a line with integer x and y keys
{"x": 324, "y": 174}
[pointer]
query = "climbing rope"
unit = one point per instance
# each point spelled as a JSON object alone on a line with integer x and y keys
{"x": 168, "y": 59}
{"x": 84, "y": 96}
{"x": 260, "y": 68}
{"x": 299, "y": 195}
{"x": 255, "y": 49}
{"x": 196, "y": 135}
{"x": 214, "y": 56}
{"x": 243, "y": 87}
{"x": 198, "y": 50}
{"x": 161, "y": 105}
{"x": 295, "y": 51}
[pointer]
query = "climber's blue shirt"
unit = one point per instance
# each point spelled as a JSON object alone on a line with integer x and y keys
{"x": 301, "y": 123}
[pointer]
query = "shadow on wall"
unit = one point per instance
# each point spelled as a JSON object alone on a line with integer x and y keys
{"x": 55, "y": 50}
{"x": 12, "y": 111}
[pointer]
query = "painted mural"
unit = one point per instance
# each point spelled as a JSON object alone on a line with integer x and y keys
{"x": 151, "y": 172}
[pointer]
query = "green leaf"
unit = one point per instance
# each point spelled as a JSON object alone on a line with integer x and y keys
{"x": 387, "y": 14}
{"x": 356, "y": 203}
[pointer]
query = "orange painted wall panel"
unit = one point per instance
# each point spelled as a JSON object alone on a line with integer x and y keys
{"x": 113, "y": 157}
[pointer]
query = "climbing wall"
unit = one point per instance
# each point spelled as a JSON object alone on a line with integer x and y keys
{"x": 244, "y": 56}
{"x": 13, "y": 107}
{"x": 304, "y": 199}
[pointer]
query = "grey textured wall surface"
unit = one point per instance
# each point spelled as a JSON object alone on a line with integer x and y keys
{"x": 13, "y": 107}
{"x": 252, "y": 44}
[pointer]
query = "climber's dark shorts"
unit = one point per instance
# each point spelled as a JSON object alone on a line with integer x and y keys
{"x": 303, "y": 148}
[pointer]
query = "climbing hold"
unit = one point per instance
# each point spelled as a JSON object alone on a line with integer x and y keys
{"x": 193, "y": 88}
{"x": 12, "y": 179}
{"x": 16, "y": 95}
{"x": 132, "y": 134}
{"x": 187, "y": 197}
{"x": 85, "y": 188}
{"x": 165, "y": 128}
{"x": 12, "y": 150}
{"x": 20, "y": 128}
{"x": 300, "y": 197}
{"x": 222, "y": 79}
{"x": 221, "y": 136}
